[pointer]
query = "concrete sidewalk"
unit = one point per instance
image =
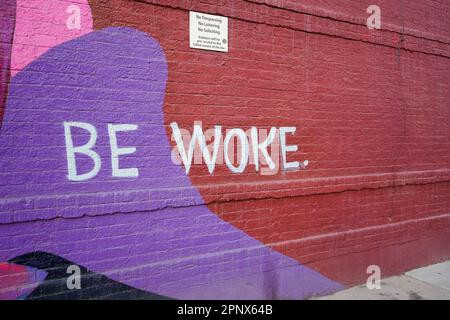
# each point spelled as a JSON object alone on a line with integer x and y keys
{"x": 432, "y": 282}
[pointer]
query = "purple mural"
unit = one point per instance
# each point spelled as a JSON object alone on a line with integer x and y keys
{"x": 146, "y": 228}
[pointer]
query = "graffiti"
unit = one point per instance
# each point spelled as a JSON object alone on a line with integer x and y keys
{"x": 86, "y": 149}
{"x": 54, "y": 278}
{"x": 187, "y": 156}
{"x": 162, "y": 263}
{"x": 19, "y": 281}
{"x": 90, "y": 104}
{"x": 248, "y": 142}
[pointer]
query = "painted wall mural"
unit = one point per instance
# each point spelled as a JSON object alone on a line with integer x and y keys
{"x": 99, "y": 101}
{"x": 8, "y": 11}
{"x": 45, "y": 275}
{"x": 103, "y": 82}
{"x": 48, "y": 24}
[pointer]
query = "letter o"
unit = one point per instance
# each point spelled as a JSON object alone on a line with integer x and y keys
{"x": 244, "y": 150}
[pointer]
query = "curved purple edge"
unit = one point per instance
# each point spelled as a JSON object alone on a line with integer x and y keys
{"x": 118, "y": 75}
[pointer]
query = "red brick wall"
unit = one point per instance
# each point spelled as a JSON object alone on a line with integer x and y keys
{"x": 371, "y": 108}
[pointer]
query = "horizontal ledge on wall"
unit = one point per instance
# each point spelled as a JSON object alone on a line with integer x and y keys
{"x": 338, "y": 16}
{"x": 30, "y": 208}
{"x": 347, "y": 239}
{"x": 317, "y": 186}
{"x": 318, "y": 22}
{"x": 356, "y": 240}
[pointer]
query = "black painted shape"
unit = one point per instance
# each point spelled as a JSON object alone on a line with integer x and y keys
{"x": 93, "y": 285}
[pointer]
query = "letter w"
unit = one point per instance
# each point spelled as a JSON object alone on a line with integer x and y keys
{"x": 197, "y": 135}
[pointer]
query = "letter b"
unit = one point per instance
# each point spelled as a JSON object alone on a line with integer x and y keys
{"x": 84, "y": 149}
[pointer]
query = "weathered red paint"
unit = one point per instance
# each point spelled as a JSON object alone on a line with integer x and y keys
{"x": 371, "y": 108}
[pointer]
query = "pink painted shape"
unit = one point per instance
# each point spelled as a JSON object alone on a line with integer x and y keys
{"x": 17, "y": 281}
{"x": 41, "y": 25}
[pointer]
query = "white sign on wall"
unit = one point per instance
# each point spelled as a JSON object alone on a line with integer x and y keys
{"x": 208, "y": 32}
